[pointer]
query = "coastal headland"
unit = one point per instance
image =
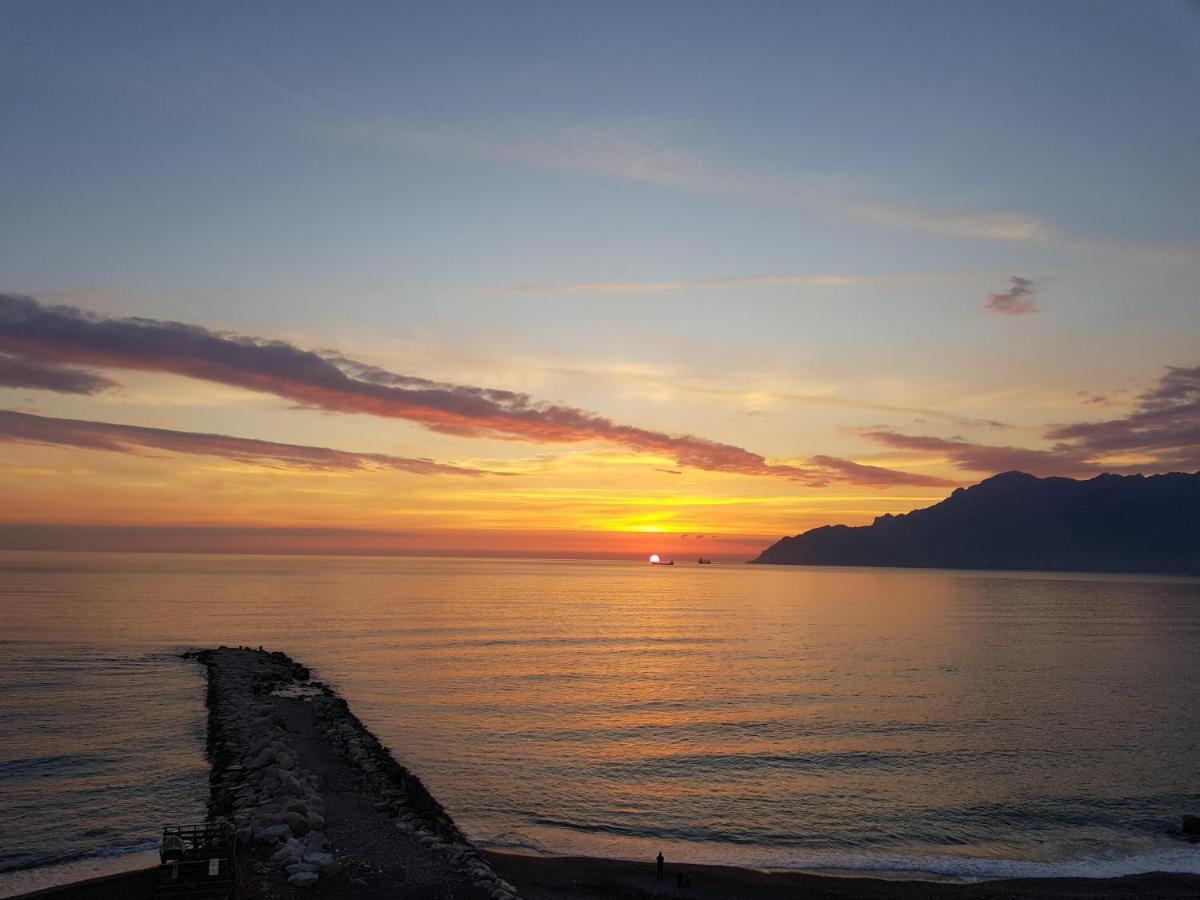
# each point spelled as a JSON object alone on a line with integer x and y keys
{"x": 321, "y": 808}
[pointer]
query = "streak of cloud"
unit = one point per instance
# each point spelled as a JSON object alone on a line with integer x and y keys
{"x": 1016, "y": 301}
{"x": 24, "y": 428}
{"x": 754, "y": 280}
{"x": 21, "y": 373}
{"x": 634, "y": 151}
{"x": 1165, "y": 425}
{"x": 1162, "y": 433}
{"x": 874, "y": 476}
{"x": 670, "y": 384}
{"x": 976, "y": 457}
{"x": 330, "y": 381}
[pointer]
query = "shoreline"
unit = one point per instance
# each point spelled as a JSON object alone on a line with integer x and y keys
{"x": 309, "y": 788}
{"x": 594, "y": 878}
{"x": 544, "y": 877}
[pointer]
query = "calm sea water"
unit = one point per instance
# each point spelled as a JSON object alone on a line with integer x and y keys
{"x": 961, "y": 723}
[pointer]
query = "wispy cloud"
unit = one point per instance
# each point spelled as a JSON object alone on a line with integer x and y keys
{"x": 791, "y": 398}
{"x": 756, "y": 280}
{"x": 976, "y": 457}
{"x": 1162, "y": 433}
{"x": 1016, "y": 301}
{"x": 875, "y": 476}
{"x": 1165, "y": 425}
{"x": 24, "y": 428}
{"x": 331, "y": 381}
{"x": 23, "y": 373}
{"x": 640, "y": 151}
{"x": 665, "y": 384}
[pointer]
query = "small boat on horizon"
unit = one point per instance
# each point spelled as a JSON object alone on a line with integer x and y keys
{"x": 704, "y": 562}
{"x": 655, "y": 561}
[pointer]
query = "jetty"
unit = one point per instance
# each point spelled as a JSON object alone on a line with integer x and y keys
{"x": 314, "y": 799}
{"x": 316, "y": 806}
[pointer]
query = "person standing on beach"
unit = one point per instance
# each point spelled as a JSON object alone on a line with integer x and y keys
{"x": 659, "y": 860}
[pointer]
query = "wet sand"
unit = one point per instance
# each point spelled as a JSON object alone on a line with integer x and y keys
{"x": 587, "y": 878}
{"x": 135, "y": 885}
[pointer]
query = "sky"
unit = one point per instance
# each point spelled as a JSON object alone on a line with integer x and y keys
{"x": 583, "y": 279}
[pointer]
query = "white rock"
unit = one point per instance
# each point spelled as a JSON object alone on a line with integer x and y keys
{"x": 274, "y": 833}
{"x": 314, "y": 840}
{"x": 303, "y": 879}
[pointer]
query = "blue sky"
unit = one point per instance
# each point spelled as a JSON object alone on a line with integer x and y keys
{"x": 234, "y": 122}
{"x": 582, "y": 201}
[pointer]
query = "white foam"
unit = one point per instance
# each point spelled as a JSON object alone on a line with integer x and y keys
{"x": 1175, "y": 860}
{"x": 1157, "y": 854}
{"x": 108, "y": 862}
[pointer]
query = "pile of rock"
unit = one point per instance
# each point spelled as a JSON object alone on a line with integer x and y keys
{"x": 259, "y": 782}
{"x": 270, "y": 798}
{"x": 403, "y": 796}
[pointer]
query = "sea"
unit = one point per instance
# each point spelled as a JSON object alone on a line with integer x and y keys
{"x": 953, "y": 724}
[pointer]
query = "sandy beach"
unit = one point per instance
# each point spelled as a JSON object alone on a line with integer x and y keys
{"x": 587, "y": 878}
{"x": 590, "y": 878}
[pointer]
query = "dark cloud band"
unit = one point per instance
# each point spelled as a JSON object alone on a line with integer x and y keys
{"x": 22, "y": 373}
{"x": 331, "y": 381}
{"x": 24, "y": 428}
{"x": 1162, "y": 433}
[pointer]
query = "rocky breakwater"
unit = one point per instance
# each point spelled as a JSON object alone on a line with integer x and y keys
{"x": 317, "y": 800}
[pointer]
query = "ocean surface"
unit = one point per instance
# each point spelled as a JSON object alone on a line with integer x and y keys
{"x": 971, "y": 724}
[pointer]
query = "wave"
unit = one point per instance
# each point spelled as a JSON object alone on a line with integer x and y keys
{"x": 914, "y": 865}
{"x": 43, "y": 766}
{"x": 511, "y": 840}
{"x": 83, "y": 856}
{"x": 1178, "y": 860}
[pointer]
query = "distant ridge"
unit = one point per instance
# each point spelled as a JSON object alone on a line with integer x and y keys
{"x": 1111, "y": 523}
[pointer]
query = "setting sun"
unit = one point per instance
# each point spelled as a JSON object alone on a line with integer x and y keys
{"x": 366, "y": 347}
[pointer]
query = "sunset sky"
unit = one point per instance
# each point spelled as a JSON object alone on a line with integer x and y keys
{"x": 567, "y": 279}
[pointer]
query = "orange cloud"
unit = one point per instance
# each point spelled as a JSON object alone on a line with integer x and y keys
{"x": 30, "y": 429}
{"x": 333, "y": 382}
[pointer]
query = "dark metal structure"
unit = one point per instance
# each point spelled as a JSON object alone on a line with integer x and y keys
{"x": 198, "y": 862}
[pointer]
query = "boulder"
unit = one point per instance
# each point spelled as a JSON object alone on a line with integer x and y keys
{"x": 303, "y": 879}
{"x": 1191, "y": 825}
{"x": 264, "y": 758}
{"x": 297, "y": 822}
{"x": 314, "y": 840}
{"x": 273, "y": 833}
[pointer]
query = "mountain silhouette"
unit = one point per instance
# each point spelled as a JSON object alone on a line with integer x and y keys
{"x": 1111, "y": 523}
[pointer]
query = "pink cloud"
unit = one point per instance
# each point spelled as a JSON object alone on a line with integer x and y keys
{"x": 1016, "y": 301}
{"x": 331, "y": 381}
{"x": 24, "y": 428}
